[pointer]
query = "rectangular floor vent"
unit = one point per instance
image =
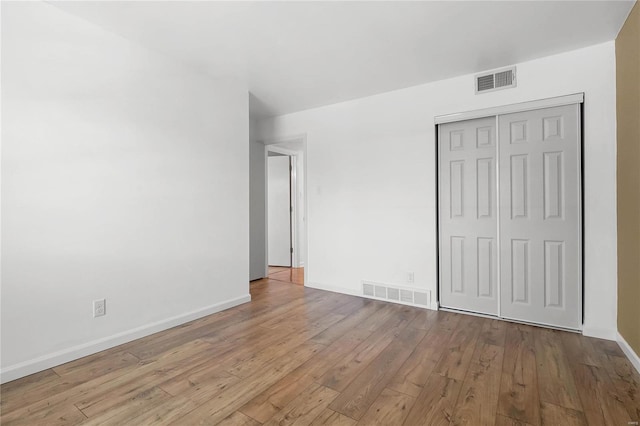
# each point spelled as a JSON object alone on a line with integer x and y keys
{"x": 397, "y": 294}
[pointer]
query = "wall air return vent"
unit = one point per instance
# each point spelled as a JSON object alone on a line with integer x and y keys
{"x": 496, "y": 80}
{"x": 367, "y": 289}
{"x": 397, "y": 294}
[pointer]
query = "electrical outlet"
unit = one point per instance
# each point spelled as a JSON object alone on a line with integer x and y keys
{"x": 99, "y": 308}
{"x": 410, "y": 277}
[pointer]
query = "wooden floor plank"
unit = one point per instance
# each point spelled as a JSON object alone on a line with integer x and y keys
{"x": 457, "y": 355}
{"x": 600, "y": 401}
{"x": 556, "y": 383}
{"x": 351, "y": 366}
{"x": 339, "y": 329}
{"x": 434, "y": 405}
{"x": 629, "y": 391}
{"x": 235, "y": 396}
{"x": 579, "y": 349}
{"x": 493, "y": 332}
{"x": 122, "y": 412}
{"x": 426, "y": 319}
{"x": 249, "y": 366}
{"x": 200, "y": 386}
{"x": 290, "y": 275}
{"x": 169, "y": 365}
{"x": 238, "y": 419}
{"x": 390, "y": 408}
{"x": 508, "y": 421}
{"x": 293, "y": 353}
{"x": 142, "y": 379}
{"x": 165, "y": 413}
{"x": 413, "y": 374}
{"x": 553, "y": 415}
{"x": 305, "y": 408}
{"x": 519, "y": 398}
{"x": 276, "y": 397}
{"x": 57, "y": 415}
{"x": 331, "y": 418}
{"x": 358, "y": 396}
{"x": 607, "y": 347}
{"x": 478, "y": 399}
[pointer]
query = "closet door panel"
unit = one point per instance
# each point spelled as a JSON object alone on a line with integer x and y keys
{"x": 467, "y": 215}
{"x": 540, "y": 253}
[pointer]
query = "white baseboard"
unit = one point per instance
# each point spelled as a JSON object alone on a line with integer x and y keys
{"x": 600, "y": 333}
{"x": 629, "y": 352}
{"x": 35, "y": 365}
{"x": 334, "y": 289}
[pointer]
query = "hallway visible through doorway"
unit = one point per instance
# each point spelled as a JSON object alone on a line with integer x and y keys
{"x": 290, "y": 275}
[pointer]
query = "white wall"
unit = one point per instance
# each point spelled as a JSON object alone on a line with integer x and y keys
{"x": 124, "y": 176}
{"x": 371, "y": 176}
{"x": 257, "y": 203}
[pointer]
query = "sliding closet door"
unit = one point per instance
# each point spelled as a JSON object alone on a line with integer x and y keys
{"x": 540, "y": 226}
{"x": 467, "y": 191}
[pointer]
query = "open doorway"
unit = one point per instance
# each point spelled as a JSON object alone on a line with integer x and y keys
{"x": 285, "y": 208}
{"x": 279, "y": 210}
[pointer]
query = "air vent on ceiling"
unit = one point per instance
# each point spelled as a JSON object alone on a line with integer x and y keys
{"x": 496, "y": 80}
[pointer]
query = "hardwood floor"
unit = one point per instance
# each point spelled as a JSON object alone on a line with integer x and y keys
{"x": 296, "y": 355}
{"x": 289, "y": 275}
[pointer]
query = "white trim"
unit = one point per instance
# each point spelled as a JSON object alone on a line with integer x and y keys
{"x": 576, "y": 98}
{"x": 35, "y": 365}
{"x": 293, "y": 200}
{"x": 279, "y": 150}
{"x": 581, "y": 209}
{"x": 600, "y": 333}
{"x": 302, "y": 137}
{"x": 437, "y": 294}
{"x": 498, "y": 222}
{"x": 474, "y": 314}
{"x": 629, "y": 352}
{"x": 515, "y": 321}
{"x": 272, "y": 145}
{"x": 333, "y": 289}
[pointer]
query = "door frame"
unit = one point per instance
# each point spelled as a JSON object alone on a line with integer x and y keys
{"x": 298, "y": 227}
{"x": 576, "y": 98}
{"x": 572, "y": 99}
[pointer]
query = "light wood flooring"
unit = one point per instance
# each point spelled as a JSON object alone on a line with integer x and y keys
{"x": 296, "y": 355}
{"x": 289, "y": 275}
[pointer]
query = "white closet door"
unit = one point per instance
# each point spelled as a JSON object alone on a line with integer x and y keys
{"x": 540, "y": 227}
{"x": 467, "y": 188}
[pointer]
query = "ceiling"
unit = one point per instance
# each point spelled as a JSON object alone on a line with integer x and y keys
{"x": 299, "y": 55}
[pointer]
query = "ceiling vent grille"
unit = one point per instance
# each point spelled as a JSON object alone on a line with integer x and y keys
{"x": 496, "y": 80}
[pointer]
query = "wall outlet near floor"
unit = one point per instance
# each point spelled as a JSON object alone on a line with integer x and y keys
{"x": 410, "y": 277}
{"x": 99, "y": 308}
